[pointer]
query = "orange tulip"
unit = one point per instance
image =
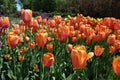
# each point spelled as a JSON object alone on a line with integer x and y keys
{"x": 48, "y": 59}
{"x": 117, "y": 44}
{"x": 23, "y": 28}
{"x": 44, "y": 21}
{"x": 27, "y": 38}
{"x": 31, "y": 44}
{"x": 111, "y": 49}
{"x": 101, "y": 35}
{"x": 26, "y": 15}
{"x": 98, "y": 50}
{"x": 35, "y": 67}
{"x": 111, "y": 39}
{"x": 20, "y": 58}
{"x": 4, "y": 22}
{"x": 34, "y": 24}
{"x": 78, "y": 36}
{"x": 72, "y": 33}
{"x": 63, "y": 33}
{"x": 88, "y": 30}
{"x": 41, "y": 38}
{"x": 88, "y": 40}
{"x": 23, "y": 49}
{"x": 12, "y": 39}
{"x": 83, "y": 36}
{"x": 74, "y": 39}
{"x": 7, "y": 56}
{"x": 69, "y": 47}
{"x": 51, "y": 23}
{"x": 16, "y": 28}
{"x": 57, "y": 19}
{"x": 116, "y": 65}
{"x": 49, "y": 46}
{"x": 39, "y": 19}
{"x": 21, "y": 23}
{"x": 79, "y": 56}
{"x": 118, "y": 37}
{"x": 117, "y": 32}
{"x": 49, "y": 39}
{"x": 21, "y": 39}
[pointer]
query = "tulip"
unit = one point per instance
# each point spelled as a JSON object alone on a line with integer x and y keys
{"x": 49, "y": 46}
{"x": 7, "y": 56}
{"x": 35, "y": 67}
{"x": 72, "y": 33}
{"x": 51, "y": 23}
{"x": 4, "y": 22}
{"x": 39, "y": 19}
{"x": 44, "y": 21}
{"x": 20, "y": 58}
{"x": 57, "y": 19}
{"x": 16, "y": 28}
{"x": 21, "y": 23}
{"x": 111, "y": 49}
{"x": 74, "y": 39}
{"x": 63, "y": 33}
{"x": 31, "y": 44}
{"x": 78, "y": 36}
{"x": 23, "y": 28}
{"x": 88, "y": 40}
{"x": 79, "y": 57}
{"x": 98, "y": 50}
{"x": 50, "y": 39}
{"x": 27, "y": 38}
{"x": 21, "y": 39}
{"x": 41, "y": 38}
{"x": 12, "y": 39}
{"x": 101, "y": 35}
{"x": 69, "y": 47}
{"x": 118, "y": 37}
{"x": 34, "y": 24}
{"x": 26, "y": 15}
{"x": 116, "y": 65}
{"x": 23, "y": 49}
{"x": 117, "y": 44}
{"x": 48, "y": 59}
{"x": 111, "y": 39}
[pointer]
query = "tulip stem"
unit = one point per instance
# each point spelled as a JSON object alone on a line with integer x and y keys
{"x": 14, "y": 60}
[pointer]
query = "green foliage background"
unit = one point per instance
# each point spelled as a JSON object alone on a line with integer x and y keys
{"x": 7, "y": 7}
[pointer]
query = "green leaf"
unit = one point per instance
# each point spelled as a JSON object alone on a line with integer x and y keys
{"x": 2, "y": 76}
{"x": 69, "y": 77}
{"x": 10, "y": 75}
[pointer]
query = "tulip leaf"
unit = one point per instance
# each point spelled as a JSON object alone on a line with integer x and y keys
{"x": 10, "y": 75}
{"x": 69, "y": 77}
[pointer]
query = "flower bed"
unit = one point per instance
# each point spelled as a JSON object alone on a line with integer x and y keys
{"x": 71, "y": 48}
